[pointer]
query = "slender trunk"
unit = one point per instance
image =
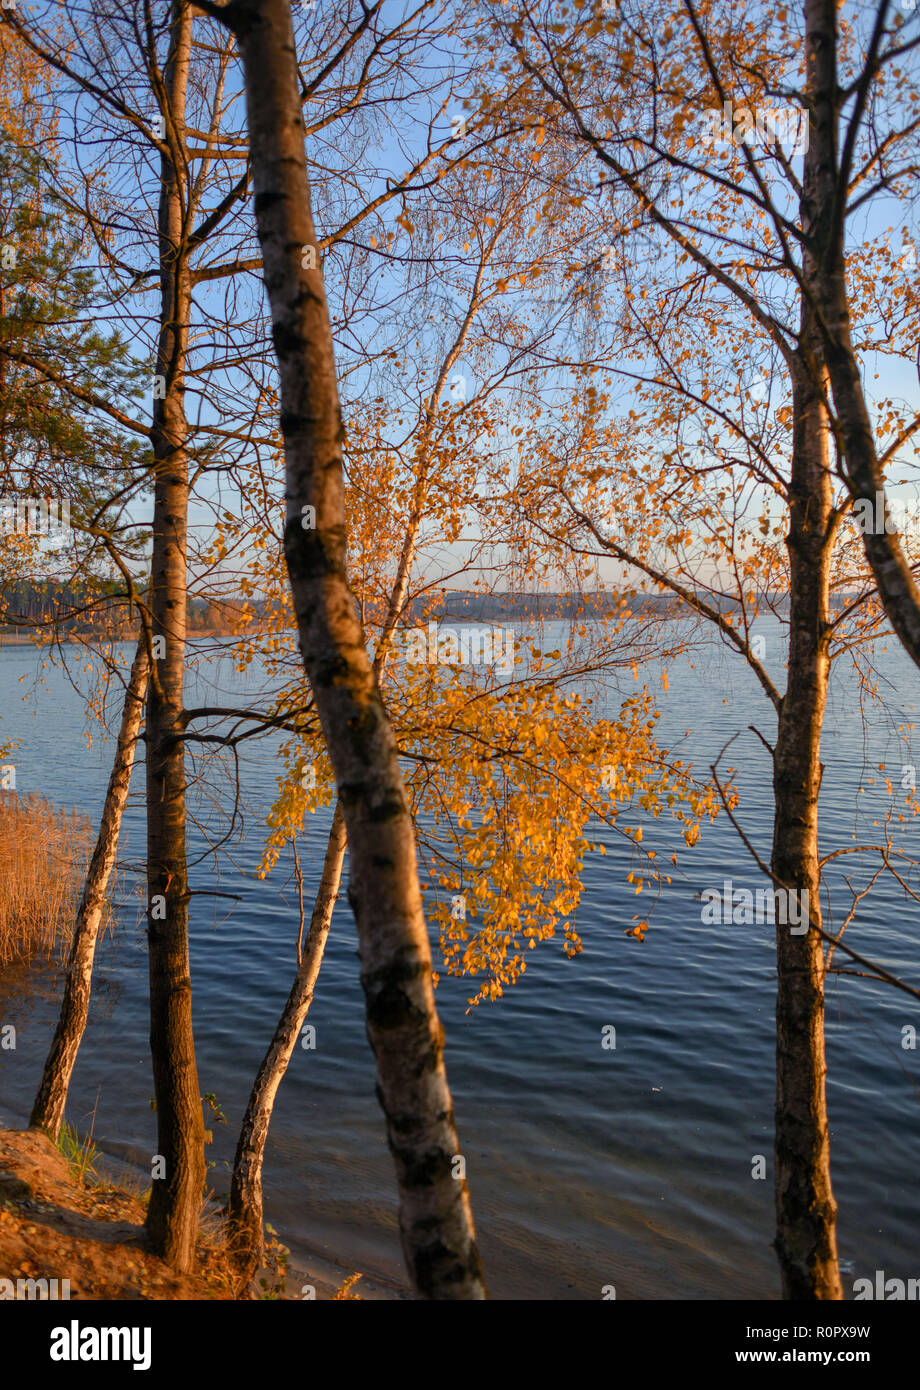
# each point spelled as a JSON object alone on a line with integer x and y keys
{"x": 806, "y": 1213}
{"x": 806, "y": 1241}
{"x": 405, "y": 1033}
{"x": 891, "y": 567}
{"x": 48, "y": 1109}
{"x": 178, "y": 1180}
{"x": 245, "y": 1213}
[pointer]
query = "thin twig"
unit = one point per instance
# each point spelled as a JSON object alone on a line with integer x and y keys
{"x": 879, "y": 971}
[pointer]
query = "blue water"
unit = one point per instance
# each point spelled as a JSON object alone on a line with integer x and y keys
{"x": 587, "y": 1167}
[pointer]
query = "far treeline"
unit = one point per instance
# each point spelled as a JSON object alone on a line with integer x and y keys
{"x": 98, "y": 607}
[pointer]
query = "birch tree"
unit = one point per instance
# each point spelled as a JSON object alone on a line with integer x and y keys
{"x": 505, "y": 763}
{"x": 740, "y": 229}
{"x": 435, "y": 1218}
{"x": 51, "y": 1098}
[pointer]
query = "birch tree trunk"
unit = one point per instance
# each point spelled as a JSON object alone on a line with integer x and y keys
{"x": 890, "y": 566}
{"x": 51, "y": 1098}
{"x": 435, "y": 1219}
{"x": 172, "y": 1217}
{"x": 806, "y": 1213}
{"x": 245, "y": 1212}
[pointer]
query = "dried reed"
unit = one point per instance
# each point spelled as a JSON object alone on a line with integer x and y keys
{"x": 44, "y": 853}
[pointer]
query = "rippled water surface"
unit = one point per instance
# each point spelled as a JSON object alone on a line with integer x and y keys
{"x": 587, "y": 1167}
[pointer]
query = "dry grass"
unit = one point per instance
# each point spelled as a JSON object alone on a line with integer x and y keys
{"x": 91, "y": 1233}
{"x": 44, "y": 853}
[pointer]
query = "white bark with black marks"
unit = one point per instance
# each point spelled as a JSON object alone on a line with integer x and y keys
{"x": 826, "y": 281}
{"x": 435, "y": 1218}
{"x": 245, "y": 1211}
{"x": 51, "y": 1098}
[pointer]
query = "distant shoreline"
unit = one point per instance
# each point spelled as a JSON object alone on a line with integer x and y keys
{"x": 15, "y": 639}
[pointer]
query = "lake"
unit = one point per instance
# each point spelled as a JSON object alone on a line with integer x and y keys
{"x": 588, "y": 1167}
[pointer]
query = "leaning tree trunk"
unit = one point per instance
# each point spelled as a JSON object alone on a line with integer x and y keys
{"x": 48, "y": 1109}
{"x": 806, "y": 1213}
{"x": 245, "y": 1212}
{"x": 403, "y": 1027}
{"x": 825, "y": 279}
{"x": 175, "y": 1201}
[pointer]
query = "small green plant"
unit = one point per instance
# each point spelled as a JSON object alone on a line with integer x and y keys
{"x": 214, "y": 1107}
{"x": 218, "y": 1116}
{"x": 81, "y": 1154}
{"x": 276, "y": 1260}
